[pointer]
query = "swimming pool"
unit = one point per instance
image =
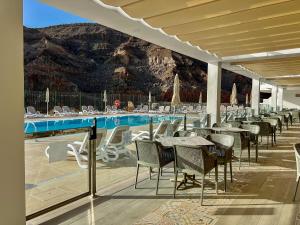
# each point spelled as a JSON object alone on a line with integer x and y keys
{"x": 108, "y": 122}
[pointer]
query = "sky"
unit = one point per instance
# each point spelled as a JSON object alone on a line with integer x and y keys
{"x": 37, "y": 14}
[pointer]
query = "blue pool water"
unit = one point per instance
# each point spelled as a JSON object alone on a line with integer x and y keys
{"x": 108, "y": 122}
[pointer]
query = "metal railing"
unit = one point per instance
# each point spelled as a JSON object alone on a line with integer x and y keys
{"x": 77, "y": 99}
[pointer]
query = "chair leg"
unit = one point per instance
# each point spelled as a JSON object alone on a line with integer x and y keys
{"x": 256, "y": 150}
{"x": 240, "y": 159}
{"x": 225, "y": 177}
{"x": 137, "y": 174}
{"x": 202, "y": 189}
{"x": 161, "y": 171}
{"x": 175, "y": 184}
{"x": 158, "y": 174}
{"x": 150, "y": 171}
{"x": 216, "y": 178}
{"x": 249, "y": 153}
{"x": 230, "y": 165}
{"x": 296, "y": 189}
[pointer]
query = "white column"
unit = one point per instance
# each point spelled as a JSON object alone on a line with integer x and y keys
{"x": 274, "y": 98}
{"x": 255, "y": 96}
{"x": 280, "y": 98}
{"x": 12, "y": 187}
{"x": 214, "y": 92}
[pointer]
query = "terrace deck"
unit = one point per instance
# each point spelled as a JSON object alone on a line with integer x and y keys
{"x": 260, "y": 194}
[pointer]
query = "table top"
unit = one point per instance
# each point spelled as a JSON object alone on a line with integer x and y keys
{"x": 229, "y": 129}
{"x": 185, "y": 141}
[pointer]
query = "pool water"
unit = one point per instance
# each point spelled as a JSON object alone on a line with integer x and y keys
{"x": 108, "y": 122}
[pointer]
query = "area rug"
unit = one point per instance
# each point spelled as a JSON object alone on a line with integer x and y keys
{"x": 184, "y": 211}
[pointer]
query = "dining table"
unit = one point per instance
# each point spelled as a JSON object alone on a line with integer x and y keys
{"x": 229, "y": 129}
{"x": 192, "y": 141}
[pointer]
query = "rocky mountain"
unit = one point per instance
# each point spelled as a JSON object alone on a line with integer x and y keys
{"x": 91, "y": 58}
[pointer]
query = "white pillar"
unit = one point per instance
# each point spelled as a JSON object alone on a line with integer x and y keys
{"x": 280, "y": 99}
{"x": 255, "y": 96}
{"x": 274, "y": 98}
{"x": 214, "y": 92}
{"x": 12, "y": 187}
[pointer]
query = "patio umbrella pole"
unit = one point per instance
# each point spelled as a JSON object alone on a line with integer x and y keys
{"x": 151, "y": 128}
{"x": 226, "y": 113}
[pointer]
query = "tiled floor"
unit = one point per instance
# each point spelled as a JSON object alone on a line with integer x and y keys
{"x": 260, "y": 194}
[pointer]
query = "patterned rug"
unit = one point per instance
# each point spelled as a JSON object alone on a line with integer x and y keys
{"x": 184, "y": 211}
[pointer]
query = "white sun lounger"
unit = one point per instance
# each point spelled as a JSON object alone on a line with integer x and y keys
{"x": 159, "y": 132}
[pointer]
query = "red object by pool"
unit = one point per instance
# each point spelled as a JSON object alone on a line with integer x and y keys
{"x": 117, "y": 103}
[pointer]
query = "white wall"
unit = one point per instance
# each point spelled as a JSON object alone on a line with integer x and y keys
{"x": 12, "y": 194}
{"x": 289, "y": 99}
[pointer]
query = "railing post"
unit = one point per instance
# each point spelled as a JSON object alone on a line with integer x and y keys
{"x": 151, "y": 128}
{"x": 92, "y": 159}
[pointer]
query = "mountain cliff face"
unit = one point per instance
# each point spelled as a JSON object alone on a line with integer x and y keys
{"x": 91, "y": 58}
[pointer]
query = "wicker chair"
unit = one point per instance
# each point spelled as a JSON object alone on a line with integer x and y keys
{"x": 295, "y": 116}
{"x": 151, "y": 154}
{"x": 253, "y": 137}
{"x": 265, "y": 130}
{"x": 241, "y": 143}
{"x": 235, "y": 123}
{"x": 184, "y": 133}
{"x": 227, "y": 125}
{"x": 297, "y": 155}
{"x": 274, "y": 124}
{"x": 279, "y": 122}
{"x": 224, "y": 144}
{"x": 195, "y": 160}
{"x": 203, "y": 132}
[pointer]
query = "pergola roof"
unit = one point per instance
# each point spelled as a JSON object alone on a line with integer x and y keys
{"x": 218, "y": 28}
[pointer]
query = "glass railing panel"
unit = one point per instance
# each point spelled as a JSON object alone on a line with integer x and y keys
{"x": 53, "y": 173}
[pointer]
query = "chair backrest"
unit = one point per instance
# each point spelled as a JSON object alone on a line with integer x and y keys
{"x": 161, "y": 108}
{"x": 273, "y": 122}
{"x": 202, "y": 132}
{"x": 66, "y": 109}
{"x": 145, "y": 107}
{"x": 253, "y": 129}
{"x": 91, "y": 108}
{"x": 190, "y": 108}
{"x": 147, "y": 152}
{"x": 116, "y": 136}
{"x": 227, "y": 125}
{"x": 167, "y": 108}
{"x": 101, "y": 135}
{"x": 57, "y": 109}
{"x": 297, "y": 156}
{"x": 162, "y": 128}
{"x": 84, "y": 108}
{"x": 184, "y": 133}
{"x": 175, "y": 124}
{"x": 223, "y": 141}
{"x": 192, "y": 159}
{"x": 235, "y": 123}
{"x": 265, "y": 127}
{"x": 31, "y": 110}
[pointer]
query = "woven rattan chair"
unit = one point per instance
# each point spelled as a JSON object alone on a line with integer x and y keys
{"x": 224, "y": 145}
{"x": 265, "y": 130}
{"x": 274, "y": 123}
{"x": 241, "y": 143}
{"x": 297, "y": 156}
{"x": 235, "y": 123}
{"x": 195, "y": 160}
{"x": 253, "y": 137}
{"x": 151, "y": 154}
